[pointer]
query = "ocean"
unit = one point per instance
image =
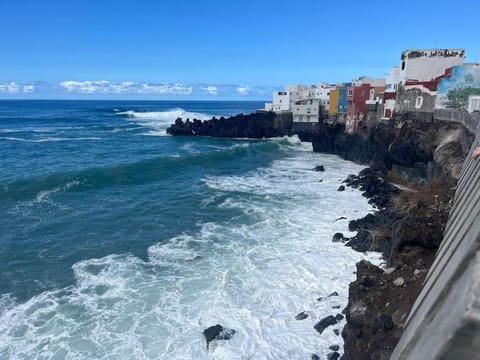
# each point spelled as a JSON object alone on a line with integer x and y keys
{"x": 118, "y": 241}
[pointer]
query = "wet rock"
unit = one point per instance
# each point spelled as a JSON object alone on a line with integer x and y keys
{"x": 334, "y": 347}
{"x": 399, "y": 281}
{"x": 217, "y": 332}
{"x": 333, "y": 356}
{"x": 384, "y": 322}
{"x": 336, "y": 332}
{"x": 338, "y": 237}
{"x": 324, "y": 323}
{"x": 315, "y": 357}
{"x": 339, "y": 317}
{"x": 336, "y": 307}
{"x": 302, "y": 316}
{"x": 333, "y": 294}
{"x": 341, "y": 188}
{"x": 320, "y": 168}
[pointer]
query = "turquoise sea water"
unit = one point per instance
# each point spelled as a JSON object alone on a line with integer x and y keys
{"x": 119, "y": 242}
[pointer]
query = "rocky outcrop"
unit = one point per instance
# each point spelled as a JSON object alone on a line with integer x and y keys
{"x": 256, "y": 126}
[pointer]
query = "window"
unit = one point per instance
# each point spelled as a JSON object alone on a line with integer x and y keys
{"x": 308, "y": 118}
{"x": 309, "y": 111}
{"x": 403, "y": 65}
{"x": 418, "y": 102}
{"x": 350, "y": 92}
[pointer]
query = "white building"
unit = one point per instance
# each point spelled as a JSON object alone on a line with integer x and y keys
{"x": 307, "y": 111}
{"x": 473, "y": 103}
{"x": 281, "y": 101}
{"x": 390, "y": 94}
{"x": 322, "y": 92}
{"x": 392, "y": 80}
{"x": 428, "y": 64}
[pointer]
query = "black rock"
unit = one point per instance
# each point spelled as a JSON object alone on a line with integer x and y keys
{"x": 339, "y": 317}
{"x": 315, "y": 357}
{"x": 336, "y": 332}
{"x": 302, "y": 316}
{"x": 217, "y": 332}
{"x": 341, "y": 188}
{"x": 336, "y": 307}
{"x": 384, "y": 322}
{"x": 333, "y": 356}
{"x": 319, "y": 168}
{"x": 333, "y": 294}
{"x": 324, "y": 323}
{"x": 334, "y": 347}
{"x": 338, "y": 237}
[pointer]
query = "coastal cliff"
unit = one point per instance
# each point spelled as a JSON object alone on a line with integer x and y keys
{"x": 414, "y": 167}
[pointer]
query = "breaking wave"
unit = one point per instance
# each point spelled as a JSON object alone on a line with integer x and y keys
{"x": 158, "y": 121}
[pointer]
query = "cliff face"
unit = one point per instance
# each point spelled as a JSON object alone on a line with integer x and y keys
{"x": 415, "y": 150}
{"x": 256, "y": 125}
{"x": 424, "y": 161}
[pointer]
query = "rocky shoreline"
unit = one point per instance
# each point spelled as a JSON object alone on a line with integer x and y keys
{"x": 413, "y": 169}
{"x": 411, "y": 181}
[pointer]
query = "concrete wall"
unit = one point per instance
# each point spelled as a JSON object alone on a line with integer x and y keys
{"x": 414, "y": 99}
{"x": 453, "y": 91}
{"x": 444, "y": 322}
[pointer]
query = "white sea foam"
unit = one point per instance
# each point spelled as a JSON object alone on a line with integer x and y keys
{"x": 158, "y": 121}
{"x": 253, "y": 273}
{"x": 51, "y": 139}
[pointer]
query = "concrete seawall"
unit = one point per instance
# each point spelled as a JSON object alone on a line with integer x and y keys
{"x": 444, "y": 322}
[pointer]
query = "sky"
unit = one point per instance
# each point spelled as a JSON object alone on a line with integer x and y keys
{"x": 214, "y": 49}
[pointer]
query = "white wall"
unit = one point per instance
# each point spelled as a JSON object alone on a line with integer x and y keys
{"x": 430, "y": 65}
{"x": 392, "y": 79}
{"x": 281, "y": 101}
{"x": 308, "y": 111}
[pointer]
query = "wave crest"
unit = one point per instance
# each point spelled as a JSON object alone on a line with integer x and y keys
{"x": 158, "y": 121}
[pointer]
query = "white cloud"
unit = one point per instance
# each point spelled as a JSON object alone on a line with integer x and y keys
{"x": 211, "y": 89}
{"x": 14, "y": 88}
{"x": 28, "y": 89}
{"x": 243, "y": 89}
{"x": 124, "y": 87}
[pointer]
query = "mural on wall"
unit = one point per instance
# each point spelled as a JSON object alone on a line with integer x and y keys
{"x": 453, "y": 92}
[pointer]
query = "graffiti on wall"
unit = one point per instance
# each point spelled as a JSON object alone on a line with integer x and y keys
{"x": 453, "y": 92}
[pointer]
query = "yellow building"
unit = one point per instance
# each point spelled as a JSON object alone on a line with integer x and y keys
{"x": 333, "y": 104}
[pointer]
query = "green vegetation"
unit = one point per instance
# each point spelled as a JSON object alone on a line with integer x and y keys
{"x": 458, "y": 98}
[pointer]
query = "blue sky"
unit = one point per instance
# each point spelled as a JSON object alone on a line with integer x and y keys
{"x": 211, "y": 49}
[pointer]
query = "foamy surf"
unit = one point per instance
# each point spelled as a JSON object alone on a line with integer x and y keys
{"x": 252, "y": 272}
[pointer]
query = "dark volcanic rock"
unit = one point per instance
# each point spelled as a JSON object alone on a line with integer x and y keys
{"x": 319, "y": 168}
{"x": 302, "y": 316}
{"x": 256, "y": 125}
{"x": 217, "y": 332}
{"x": 339, "y": 317}
{"x": 315, "y": 357}
{"x": 334, "y": 347}
{"x": 338, "y": 237}
{"x": 324, "y": 323}
{"x": 341, "y": 188}
{"x": 333, "y": 294}
{"x": 333, "y": 356}
{"x": 384, "y": 322}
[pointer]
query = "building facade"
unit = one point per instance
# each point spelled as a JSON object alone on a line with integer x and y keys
{"x": 423, "y": 65}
